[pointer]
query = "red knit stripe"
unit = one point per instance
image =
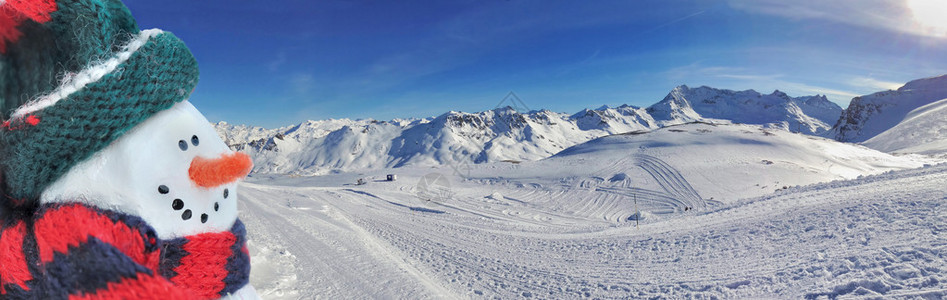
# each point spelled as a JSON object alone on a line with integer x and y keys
{"x": 70, "y": 225}
{"x": 36, "y": 10}
{"x": 143, "y": 287}
{"x": 9, "y": 34}
{"x": 12, "y": 259}
{"x": 32, "y": 120}
{"x": 204, "y": 268}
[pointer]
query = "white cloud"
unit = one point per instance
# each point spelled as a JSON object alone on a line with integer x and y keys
{"x": 875, "y": 84}
{"x": 892, "y": 15}
{"x": 302, "y": 83}
{"x": 806, "y": 89}
{"x": 750, "y": 77}
{"x": 275, "y": 64}
{"x": 696, "y": 70}
{"x": 742, "y": 78}
{"x": 672, "y": 22}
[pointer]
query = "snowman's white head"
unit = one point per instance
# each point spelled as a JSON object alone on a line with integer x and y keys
{"x": 172, "y": 170}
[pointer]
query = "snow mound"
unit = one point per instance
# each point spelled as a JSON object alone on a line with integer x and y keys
{"x": 923, "y": 131}
{"x": 733, "y": 161}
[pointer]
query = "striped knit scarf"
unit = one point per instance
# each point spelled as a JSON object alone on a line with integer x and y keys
{"x": 79, "y": 252}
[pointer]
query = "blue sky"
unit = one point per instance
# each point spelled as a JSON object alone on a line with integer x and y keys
{"x": 277, "y": 63}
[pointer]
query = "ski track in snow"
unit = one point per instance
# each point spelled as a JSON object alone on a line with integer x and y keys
{"x": 883, "y": 235}
{"x": 333, "y": 257}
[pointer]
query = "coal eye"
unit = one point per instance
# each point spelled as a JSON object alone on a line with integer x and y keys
{"x": 195, "y": 140}
{"x": 183, "y": 145}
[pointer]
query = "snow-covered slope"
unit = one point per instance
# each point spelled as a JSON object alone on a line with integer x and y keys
{"x": 868, "y": 116}
{"x": 540, "y": 230}
{"x": 810, "y": 114}
{"x": 923, "y": 131}
{"x": 727, "y": 161}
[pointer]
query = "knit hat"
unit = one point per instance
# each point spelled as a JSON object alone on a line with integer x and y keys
{"x": 74, "y": 76}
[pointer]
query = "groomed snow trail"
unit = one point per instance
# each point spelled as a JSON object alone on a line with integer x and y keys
{"x": 328, "y": 255}
{"x": 883, "y": 235}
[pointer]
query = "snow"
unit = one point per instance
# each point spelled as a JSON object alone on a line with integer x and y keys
{"x": 322, "y": 147}
{"x": 923, "y": 131}
{"x": 504, "y": 134}
{"x": 565, "y": 226}
{"x": 708, "y": 194}
{"x": 733, "y": 161}
{"x": 810, "y": 114}
{"x": 868, "y": 116}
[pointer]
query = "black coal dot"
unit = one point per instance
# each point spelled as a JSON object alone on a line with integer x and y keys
{"x": 195, "y": 140}
{"x": 216, "y": 206}
{"x": 182, "y": 144}
{"x": 163, "y": 189}
{"x": 203, "y": 218}
{"x": 177, "y": 204}
{"x": 186, "y": 215}
{"x": 226, "y": 193}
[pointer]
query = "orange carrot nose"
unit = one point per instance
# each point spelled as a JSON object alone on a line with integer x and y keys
{"x": 228, "y": 168}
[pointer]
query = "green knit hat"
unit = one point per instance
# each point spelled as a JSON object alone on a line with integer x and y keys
{"x": 75, "y": 76}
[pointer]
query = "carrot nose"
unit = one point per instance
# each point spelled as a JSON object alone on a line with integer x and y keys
{"x": 208, "y": 173}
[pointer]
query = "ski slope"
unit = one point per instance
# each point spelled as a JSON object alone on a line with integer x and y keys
{"x": 520, "y": 231}
{"x": 724, "y": 162}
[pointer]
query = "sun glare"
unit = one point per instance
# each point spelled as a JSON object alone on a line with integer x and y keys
{"x": 930, "y": 14}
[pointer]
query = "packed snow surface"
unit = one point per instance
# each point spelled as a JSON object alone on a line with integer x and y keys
{"x": 612, "y": 219}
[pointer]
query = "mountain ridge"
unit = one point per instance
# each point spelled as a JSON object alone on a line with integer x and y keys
{"x": 501, "y": 134}
{"x": 869, "y": 115}
{"x": 807, "y": 114}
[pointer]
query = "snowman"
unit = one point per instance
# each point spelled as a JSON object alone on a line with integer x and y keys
{"x": 113, "y": 184}
{"x": 174, "y": 172}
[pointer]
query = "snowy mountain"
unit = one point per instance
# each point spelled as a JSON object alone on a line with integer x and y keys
{"x": 318, "y": 147}
{"x": 624, "y": 118}
{"x": 503, "y": 134}
{"x": 810, "y": 114}
{"x": 923, "y": 131}
{"x": 868, "y": 116}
